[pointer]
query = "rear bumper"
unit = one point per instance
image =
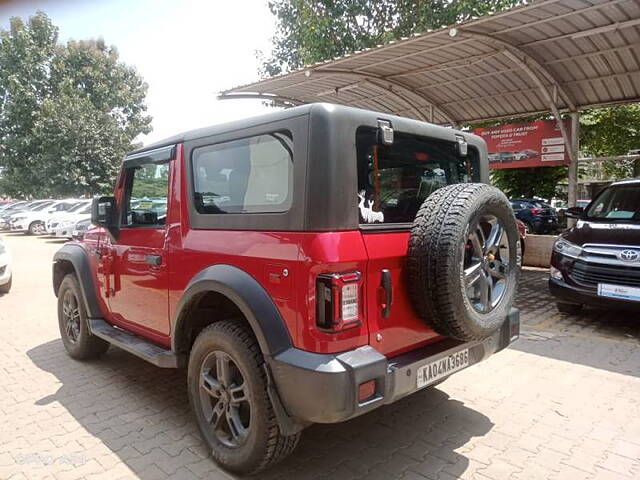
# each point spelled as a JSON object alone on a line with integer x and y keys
{"x": 569, "y": 294}
{"x": 323, "y": 388}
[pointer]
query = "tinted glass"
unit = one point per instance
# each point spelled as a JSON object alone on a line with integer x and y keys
{"x": 41, "y": 206}
{"x": 147, "y": 199}
{"x": 252, "y": 175}
{"x": 621, "y": 203}
{"x": 394, "y": 180}
{"x": 78, "y": 207}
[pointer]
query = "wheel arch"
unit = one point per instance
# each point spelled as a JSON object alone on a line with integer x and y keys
{"x": 240, "y": 292}
{"x": 74, "y": 259}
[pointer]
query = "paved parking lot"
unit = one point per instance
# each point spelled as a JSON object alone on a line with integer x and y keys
{"x": 562, "y": 403}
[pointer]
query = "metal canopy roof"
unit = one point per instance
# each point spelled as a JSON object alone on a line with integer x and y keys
{"x": 549, "y": 55}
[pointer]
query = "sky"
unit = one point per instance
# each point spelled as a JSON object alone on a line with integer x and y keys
{"x": 186, "y": 50}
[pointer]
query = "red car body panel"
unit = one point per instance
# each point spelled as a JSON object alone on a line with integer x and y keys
{"x": 143, "y": 298}
{"x": 402, "y": 330}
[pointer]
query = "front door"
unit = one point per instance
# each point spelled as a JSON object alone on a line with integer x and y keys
{"x": 138, "y": 290}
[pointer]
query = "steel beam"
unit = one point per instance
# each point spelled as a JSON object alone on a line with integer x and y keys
{"x": 393, "y": 87}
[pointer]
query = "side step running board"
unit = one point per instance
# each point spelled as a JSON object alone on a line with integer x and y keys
{"x": 134, "y": 344}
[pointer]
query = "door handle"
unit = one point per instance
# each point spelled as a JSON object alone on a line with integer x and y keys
{"x": 154, "y": 260}
{"x": 385, "y": 283}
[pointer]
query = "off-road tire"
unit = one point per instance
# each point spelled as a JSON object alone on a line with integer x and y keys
{"x": 86, "y": 345}
{"x": 435, "y": 255}
{"x": 6, "y": 288}
{"x": 569, "y": 308}
{"x": 265, "y": 445}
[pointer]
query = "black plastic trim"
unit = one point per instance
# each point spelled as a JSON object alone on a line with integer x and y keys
{"x": 247, "y": 294}
{"x": 138, "y": 346}
{"x": 78, "y": 257}
{"x": 159, "y": 155}
{"x": 323, "y": 388}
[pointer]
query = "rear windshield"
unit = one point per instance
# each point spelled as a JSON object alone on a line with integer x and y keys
{"x": 617, "y": 204}
{"x": 394, "y": 180}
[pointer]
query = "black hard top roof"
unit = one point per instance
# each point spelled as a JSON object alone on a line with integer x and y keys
{"x": 291, "y": 113}
{"x": 228, "y": 126}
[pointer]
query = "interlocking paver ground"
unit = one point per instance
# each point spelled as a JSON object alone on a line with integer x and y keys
{"x": 562, "y": 403}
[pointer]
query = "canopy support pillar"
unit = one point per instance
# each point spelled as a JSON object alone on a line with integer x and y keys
{"x": 573, "y": 158}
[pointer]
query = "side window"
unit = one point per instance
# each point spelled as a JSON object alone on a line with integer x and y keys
{"x": 146, "y": 195}
{"x": 252, "y": 175}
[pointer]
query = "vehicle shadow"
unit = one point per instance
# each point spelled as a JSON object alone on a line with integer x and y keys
{"x": 141, "y": 414}
{"x": 57, "y": 241}
{"x": 605, "y": 339}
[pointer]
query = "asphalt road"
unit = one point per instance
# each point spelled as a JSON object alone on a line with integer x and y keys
{"x": 563, "y": 402}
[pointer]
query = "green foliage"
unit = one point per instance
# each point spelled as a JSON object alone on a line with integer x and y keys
{"x": 612, "y": 131}
{"x": 314, "y": 31}
{"x": 68, "y": 113}
{"x": 529, "y": 182}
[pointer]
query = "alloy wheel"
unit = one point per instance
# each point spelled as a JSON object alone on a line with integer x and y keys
{"x": 71, "y": 316}
{"x": 486, "y": 263}
{"x": 225, "y": 399}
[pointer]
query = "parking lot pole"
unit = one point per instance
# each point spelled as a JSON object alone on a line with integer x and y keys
{"x": 573, "y": 162}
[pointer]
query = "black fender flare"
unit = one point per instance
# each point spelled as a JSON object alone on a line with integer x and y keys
{"x": 247, "y": 294}
{"x": 78, "y": 257}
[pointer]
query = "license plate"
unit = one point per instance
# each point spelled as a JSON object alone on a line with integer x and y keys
{"x": 619, "y": 291}
{"x": 443, "y": 367}
{"x": 550, "y": 220}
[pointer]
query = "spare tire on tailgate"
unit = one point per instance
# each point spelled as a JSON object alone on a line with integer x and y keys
{"x": 461, "y": 264}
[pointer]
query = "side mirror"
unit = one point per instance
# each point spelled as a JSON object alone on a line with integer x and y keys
{"x": 104, "y": 214}
{"x": 574, "y": 212}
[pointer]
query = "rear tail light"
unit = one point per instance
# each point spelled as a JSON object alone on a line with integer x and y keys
{"x": 536, "y": 210}
{"x": 338, "y": 301}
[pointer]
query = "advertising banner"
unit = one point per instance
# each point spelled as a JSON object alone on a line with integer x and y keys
{"x": 520, "y": 145}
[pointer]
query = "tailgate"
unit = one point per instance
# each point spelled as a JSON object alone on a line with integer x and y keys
{"x": 402, "y": 329}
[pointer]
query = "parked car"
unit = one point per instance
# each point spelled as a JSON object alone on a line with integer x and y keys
{"x": 5, "y": 205}
{"x": 5, "y": 268}
{"x": 32, "y": 221}
{"x": 82, "y": 207}
{"x": 6, "y": 213}
{"x": 539, "y": 217}
{"x": 9, "y": 217}
{"x": 597, "y": 262}
{"x": 65, "y": 226}
{"x": 289, "y": 276}
{"x": 80, "y": 229}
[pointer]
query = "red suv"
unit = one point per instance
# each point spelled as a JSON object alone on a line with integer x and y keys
{"x": 305, "y": 266}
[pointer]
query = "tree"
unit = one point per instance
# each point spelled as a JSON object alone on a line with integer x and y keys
{"x": 68, "y": 113}
{"x": 529, "y": 182}
{"x": 606, "y": 132}
{"x": 314, "y": 31}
